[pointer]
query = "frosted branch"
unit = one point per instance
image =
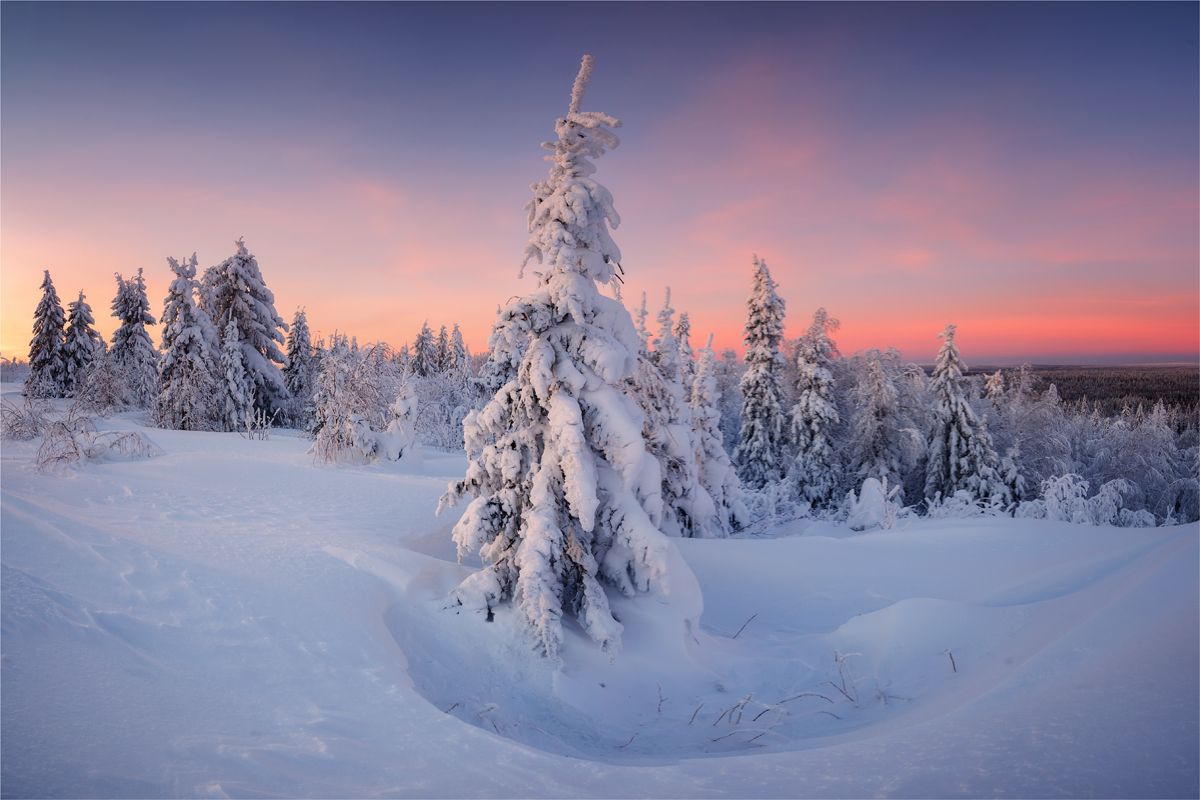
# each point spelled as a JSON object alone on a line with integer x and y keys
{"x": 581, "y": 82}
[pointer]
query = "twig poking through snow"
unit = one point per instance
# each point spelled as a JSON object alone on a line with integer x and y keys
{"x": 623, "y": 746}
{"x": 661, "y": 699}
{"x": 744, "y": 624}
{"x": 694, "y": 713}
{"x": 953, "y": 666}
{"x": 451, "y": 708}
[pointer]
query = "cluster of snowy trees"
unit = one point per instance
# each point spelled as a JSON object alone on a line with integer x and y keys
{"x": 943, "y": 443}
{"x": 219, "y": 364}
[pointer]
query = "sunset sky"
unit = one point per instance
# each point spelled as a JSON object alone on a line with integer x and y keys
{"x": 1026, "y": 171}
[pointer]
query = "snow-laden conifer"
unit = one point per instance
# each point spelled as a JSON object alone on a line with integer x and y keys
{"x": 565, "y": 495}
{"x": 188, "y": 395}
{"x": 234, "y": 291}
{"x": 884, "y": 440}
{"x": 134, "y": 356}
{"x": 960, "y": 456}
{"x": 425, "y": 357}
{"x": 443, "y": 350}
{"x": 459, "y": 357}
{"x": 299, "y": 374}
{"x": 688, "y": 510}
{"x": 82, "y": 345}
{"x": 759, "y": 454}
{"x": 717, "y": 475}
{"x": 46, "y": 362}
{"x": 686, "y": 357}
{"x": 236, "y": 391}
{"x": 815, "y": 413}
{"x": 643, "y": 332}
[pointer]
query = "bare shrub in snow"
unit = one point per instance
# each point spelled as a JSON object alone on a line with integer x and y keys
{"x": 73, "y": 439}
{"x": 23, "y": 422}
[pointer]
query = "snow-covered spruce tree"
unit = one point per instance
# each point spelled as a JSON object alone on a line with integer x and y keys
{"x": 443, "y": 349}
{"x": 300, "y": 372}
{"x": 459, "y": 357}
{"x": 686, "y": 357}
{"x": 884, "y": 442}
{"x": 134, "y": 356}
{"x": 642, "y": 331}
{"x": 234, "y": 291}
{"x": 759, "y": 454}
{"x": 815, "y": 413}
{"x": 82, "y": 346}
{"x": 188, "y": 396}
{"x": 666, "y": 348}
{"x": 425, "y": 358}
{"x": 717, "y": 475}
{"x": 688, "y": 510}
{"x": 46, "y": 365}
{"x": 960, "y": 456}
{"x": 236, "y": 389}
{"x": 564, "y": 493}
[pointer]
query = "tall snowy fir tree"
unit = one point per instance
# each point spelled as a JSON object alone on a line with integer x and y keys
{"x": 425, "y": 357}
{"x": 815, "y": 413}
{"x": 960, "y": 456}
{"x": 188, "y": 396}
{"x": 234, "y": 291}
{"x": 443, "y": 350}
{"x": 459, "y": 356}
{"x": 565, "y": 494}
{"x": 133, "y": 353}
{"x": 299, "y": 374}
{"x": 686, "y": 357}
{"x": 82, "y": 345}
{"x": 759, "y": 455}
{"x": 236, "y": 392}
{"x": 46, "y": 358}
{"x": 716, "y": 471}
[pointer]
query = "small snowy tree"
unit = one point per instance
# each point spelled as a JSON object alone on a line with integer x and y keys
{"x": 188, "y": 396}
{"x": 565, "y": 493}
{"x": 717, "y": 475}
{"x": 815, "y": 413}
{"x": 134, "y": 356}
{"x": 960, "y": 454}
{"x": 82, "y": 346}
{"x": 300, "y": 372}
{"x": 236, "y": 391}
{"x": 759, "y": 454}
{"x": 234, "y": 291}
{"x": 47, "y": 370}
{"x": 399, "y": 439}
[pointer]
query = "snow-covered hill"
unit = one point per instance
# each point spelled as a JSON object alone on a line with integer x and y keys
{"x": 230, "y": 619}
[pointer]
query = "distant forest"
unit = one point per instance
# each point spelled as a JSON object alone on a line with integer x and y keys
{"x": 1114, "y": 388}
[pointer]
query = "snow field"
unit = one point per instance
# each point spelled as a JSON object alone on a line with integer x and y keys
{"x": 230, "y": 619}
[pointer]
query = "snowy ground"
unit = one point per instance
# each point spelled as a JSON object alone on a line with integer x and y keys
{"x": 229, "y": 619}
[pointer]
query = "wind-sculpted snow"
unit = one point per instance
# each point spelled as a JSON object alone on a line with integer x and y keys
{"x": 233, "y": 619}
